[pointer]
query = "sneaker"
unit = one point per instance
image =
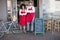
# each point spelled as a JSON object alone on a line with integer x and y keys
{"x": 24, "y": 31}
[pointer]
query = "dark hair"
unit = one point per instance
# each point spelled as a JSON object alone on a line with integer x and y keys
{"x": 22, "y": 5}
{"x": 30, "y": 2}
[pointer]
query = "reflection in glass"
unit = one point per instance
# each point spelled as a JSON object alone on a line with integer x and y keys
{"x": 9, "y": 6}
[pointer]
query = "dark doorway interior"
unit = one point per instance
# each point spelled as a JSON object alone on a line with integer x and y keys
{"x": 36, "y": 4}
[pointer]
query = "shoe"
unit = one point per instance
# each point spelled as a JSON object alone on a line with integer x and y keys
{"x": 27, "y": 30}
{"x": 24, "y": 31}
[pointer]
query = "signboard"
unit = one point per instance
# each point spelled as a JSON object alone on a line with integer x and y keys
{"x": 39, "y": 25}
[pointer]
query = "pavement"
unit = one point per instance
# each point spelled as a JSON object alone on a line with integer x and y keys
{"x": 31, "y": 36}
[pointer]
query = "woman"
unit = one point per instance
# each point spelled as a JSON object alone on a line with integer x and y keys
{"x": 22, "y": 18}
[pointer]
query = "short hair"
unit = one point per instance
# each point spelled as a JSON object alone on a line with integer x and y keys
{"x": 30, "y": 2}
{"x": 22, "y": 5}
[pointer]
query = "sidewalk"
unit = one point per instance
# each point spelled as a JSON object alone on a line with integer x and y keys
{"x": 30, "y": 36}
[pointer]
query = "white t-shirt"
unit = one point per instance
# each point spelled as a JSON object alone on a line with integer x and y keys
{"x": 30, "y": 9}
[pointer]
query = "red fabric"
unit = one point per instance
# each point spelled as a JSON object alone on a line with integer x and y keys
{"x": 22, "y": 12}
{"x": 30, "y": 16}
{"x": 22, "y": 20}
{"x": 30, "y": 8}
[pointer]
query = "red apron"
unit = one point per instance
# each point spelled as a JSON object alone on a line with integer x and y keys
{"x": 22, "y": 20}
{"x": 30, "y": 16}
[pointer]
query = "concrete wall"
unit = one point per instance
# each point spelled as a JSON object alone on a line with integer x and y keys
{"x": 40, "y": 9}
{"x": 3, "y": 9}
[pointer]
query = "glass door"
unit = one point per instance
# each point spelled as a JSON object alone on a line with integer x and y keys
{"x": 12, "y": 7}
{"x": 9, "y": 6}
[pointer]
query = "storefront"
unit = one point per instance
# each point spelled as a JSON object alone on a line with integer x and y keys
{"x": 45, "y": 9}
{"x": 8, "y": 7}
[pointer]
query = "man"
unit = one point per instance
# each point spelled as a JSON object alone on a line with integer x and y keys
{"x": 30, "y": 16}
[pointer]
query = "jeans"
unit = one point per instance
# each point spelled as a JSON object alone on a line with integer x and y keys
{"x": 30, "y": 27}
